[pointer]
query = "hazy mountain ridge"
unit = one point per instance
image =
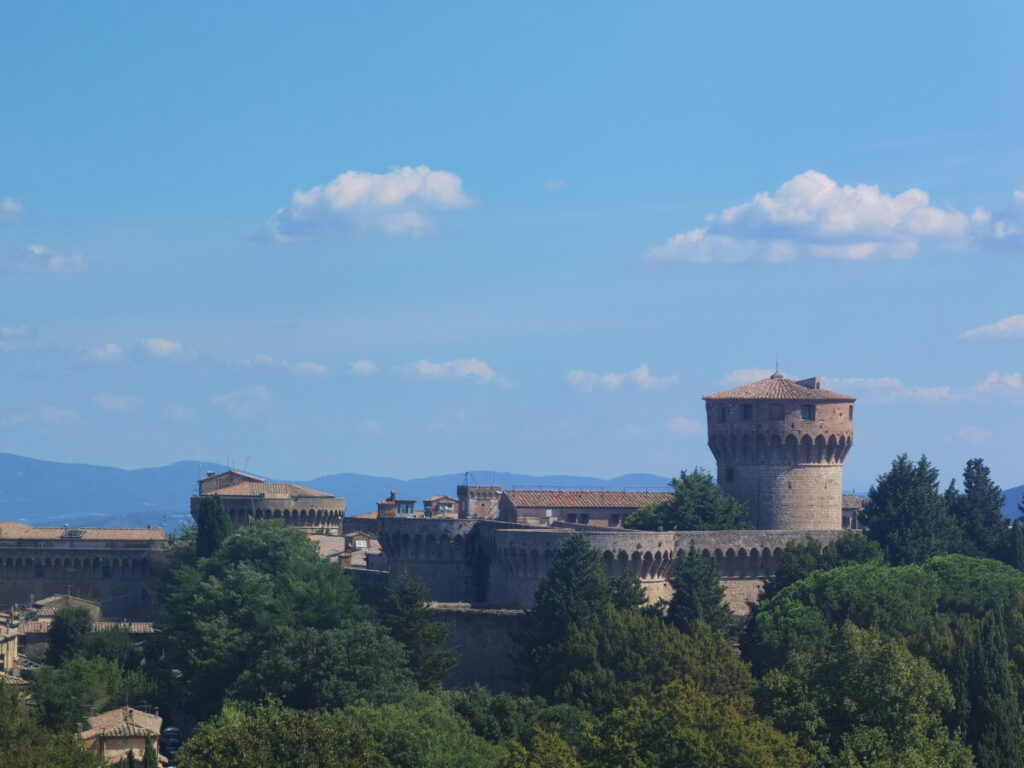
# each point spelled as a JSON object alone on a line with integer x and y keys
{"x": 50, "y": 493}
{"x": 41, "y": 492}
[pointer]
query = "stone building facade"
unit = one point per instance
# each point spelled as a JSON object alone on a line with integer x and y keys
{"x": 113, "y": 566}
{"x": 605, "y": 509}
{"x": 477, "y": 501}
{"x": 247, "y": 497}
{"x": 780, "y": 446}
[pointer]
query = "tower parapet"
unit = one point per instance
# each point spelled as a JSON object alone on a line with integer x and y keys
{"x": 780, "y": 446}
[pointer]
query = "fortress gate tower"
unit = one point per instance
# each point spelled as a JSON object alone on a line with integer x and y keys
{"x": 780, "y": 446}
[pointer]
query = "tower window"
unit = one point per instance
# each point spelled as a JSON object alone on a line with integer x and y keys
{"x": 729, "y": 474}
{"x": 723, "y": 414}
{"x": 748, "y": 412}
{"x": 776, "y": 412}
{"x": 808, "y": 412}
{"x": 851, "y": 413}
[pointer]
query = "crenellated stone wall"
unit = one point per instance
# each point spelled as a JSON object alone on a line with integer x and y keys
{"x": 491, "y": 563}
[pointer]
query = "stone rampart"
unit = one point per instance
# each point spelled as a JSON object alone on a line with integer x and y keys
{"x": 492, "y": 563}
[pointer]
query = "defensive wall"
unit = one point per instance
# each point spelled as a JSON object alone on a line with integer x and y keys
{"x": 496, "y": 564}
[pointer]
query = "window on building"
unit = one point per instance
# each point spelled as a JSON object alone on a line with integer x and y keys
{"x": 723, "y": 414}
{"x": 570, "y": 518}
{"x": 585, "y": 519}
{"x": 851, "y": 413}
{"x": 748, "y": 412}
{"x": 613, "y": 521}
{"x": 776, "y": 412}
{"x": 808, "y": 412}
{"x": 39, "y": 570}
{"x": 729, "y": 474}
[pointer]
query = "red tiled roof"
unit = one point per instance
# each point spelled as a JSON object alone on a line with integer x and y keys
{"x": 22, "y": 531}
{"x": 778, "y": 388}
{"x": 42, "y": 626}
{"x": 852, "y": 501}
{"x": 270, "y": 491}
{"x": 584, "y": 499}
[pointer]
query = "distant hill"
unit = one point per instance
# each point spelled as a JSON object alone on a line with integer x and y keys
{"x": 49, "y": 493}
{"x": 1014, "y": 496}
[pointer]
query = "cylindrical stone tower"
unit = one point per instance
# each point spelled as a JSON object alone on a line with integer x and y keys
{"x": 780, "y": 446}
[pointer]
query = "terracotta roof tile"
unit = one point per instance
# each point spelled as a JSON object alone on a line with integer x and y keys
{"x": 122, "y": 716}
{"x": 22, "y": 531}
{"x": 853, "y": 501}
{"x": 583, "y": 499}
{"x": 270, "y": 491}
{"x": 778, "y": 388}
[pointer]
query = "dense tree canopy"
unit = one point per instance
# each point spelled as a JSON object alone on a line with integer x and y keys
{"x": 68, "y": 632}
{"x": 405, "y": 614}
{"x": 697, "y": 505}
{"x": 698, "y": 595}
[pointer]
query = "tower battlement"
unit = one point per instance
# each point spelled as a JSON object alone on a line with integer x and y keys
{"x": 780, "y": 445}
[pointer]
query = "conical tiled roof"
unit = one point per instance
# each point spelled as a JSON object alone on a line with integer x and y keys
{"x": 778, "y": 387}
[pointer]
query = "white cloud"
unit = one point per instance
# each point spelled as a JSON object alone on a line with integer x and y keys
{"x": 16, "y": 419}
{"x": 812, "y": 215}
{"x": 881, "y": 382}
{"x": 974, "y": 434}
{"x": 244, "y": 403}
{"x": 105, "y": 353}
{"x": 51, "y": 414}
{"x": 588, "y": 381}
{"x": 742, "y": 376}
{"x": 163, "y": 347}
{"x": 299, "y": 369}
{"x": 177, "y": 412}
{"x": 11, "y": 210}
{"x": 926, "y": 394}
{"x": 368, "y": 427}
{"x": 1011, "y": 327}
{"x": 13, "y": 337}
{"x": 39, "y": 258}
{"x": 1002, "y": 382}
{"x": 399, "y": 202}
{"x": 683, "y": 425}
{"x": 556, "y": 184}
{"x": 363, "y": 367}
{"x": 470, "y": 368}
{"x": 118, "y": 403}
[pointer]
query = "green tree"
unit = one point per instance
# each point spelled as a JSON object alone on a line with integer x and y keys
{"x": 978, "y": 512}
{"x": 801, "y": 558}
{"x": 213, "y": 525}
{"x": 68, "y": 632}
{"x": 221, "y": 615}
{"x": 907, "y": 515}
{"x": 574, "y": 589}
{"x": 544, "y": 748}
{"x": 683, "y": 725}
{"x": 65, "y": 696}
{"x": 864, "y": 700}
{"x": 1013, "y": 547}
{"x": 627, "y": 592}
{"x": 993, "y": 712}
{"x": 115, "y": 644}
{"x": 149, "y": 758}
{"x": 308, "y": 668}
{"x": 25, "y": 744}
{"x": 698, "y": 594}
{"x": 501, "y": 718}
{"x": 405, "y": 613}
{"x": 697, "y": 505}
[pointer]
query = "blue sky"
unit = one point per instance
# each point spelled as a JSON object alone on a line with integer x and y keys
{"x": 417, "y": 238}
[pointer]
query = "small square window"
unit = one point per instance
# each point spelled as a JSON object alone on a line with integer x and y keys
{"x": 613, "y": 521}
{"x": 748, "y": 412}
{"x": 723, "y": 414}
{"x": 585, "y": 519}
{"x": 808, "y": 412}
{"x": 728, "y": 474}
{"x": 776, "y": 412}
{"x": 851, "y": 412}
{"x": 571, "y": 518}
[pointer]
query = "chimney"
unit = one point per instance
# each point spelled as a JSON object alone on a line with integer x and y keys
{"x": 210, "y": 474}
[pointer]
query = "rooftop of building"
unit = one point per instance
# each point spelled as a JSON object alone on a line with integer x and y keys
{"x": 586, "y": 499}
{"x": 269, "y": 491}
{"x": 778, "y": 387}
{"x": 10, "y": 530}
{"x": 124, "y": 718}
{"x": 853, "y": 501}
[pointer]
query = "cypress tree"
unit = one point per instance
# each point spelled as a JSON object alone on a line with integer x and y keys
{"x": 406, "y": 615}
{"x": 978, "y": 511}
{"x": 213, "y": 525}
{"x": 698, "y": 594}
{"x": 994, "y": 729}
{"x": 68, "y": 633}
{"x": 149, "y": 758}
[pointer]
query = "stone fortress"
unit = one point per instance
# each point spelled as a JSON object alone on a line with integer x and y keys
{"x": 779, "y": 445}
